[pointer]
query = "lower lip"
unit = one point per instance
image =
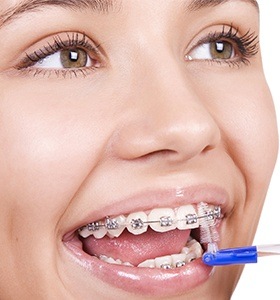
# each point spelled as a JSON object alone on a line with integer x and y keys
{"x": 144, "y": 281}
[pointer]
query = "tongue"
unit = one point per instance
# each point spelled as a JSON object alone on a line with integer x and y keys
{"x": 138, "y": 248}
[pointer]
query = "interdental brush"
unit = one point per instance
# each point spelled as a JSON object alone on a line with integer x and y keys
{"x": 239, "y": 256}
{"x": 231, "y": 256}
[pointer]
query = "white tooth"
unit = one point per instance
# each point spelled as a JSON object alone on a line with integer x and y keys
{"x": 193, "y": 246}
{"x": 103, "y": 257}
{"x": 118, "y": 261}
{"x": 136, "y": 223}
{"x": 163, "y": 261}
{"x": 128, "y": 264}
{"x": 192, "y": 250}
{"x": 190, "y": 257}
{"x": 191, "y": 241}
{"x": 117, "y": 232}
{"x": 186, "y": 250}
{"x": 149, "y": 263}
{"x": 84, "y": 232}
{"x": 164, "y": 217}
{"x": 110, "y": 235}
{"x": 112, "y": 261}
{"x": 100, "y": 233}
{"x": 196, "y": 248}
{"x": 186, "y": 217}
{"x": 178, "y": 259}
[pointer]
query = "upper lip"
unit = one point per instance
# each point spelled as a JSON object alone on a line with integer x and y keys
{"x": 149, "y": 199}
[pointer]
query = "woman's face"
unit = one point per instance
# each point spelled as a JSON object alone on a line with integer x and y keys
{"x": 128, "y": 111}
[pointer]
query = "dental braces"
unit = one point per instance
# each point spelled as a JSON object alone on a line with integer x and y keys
{"x": 179, "y": 264}
{"x": 164, "y": 221}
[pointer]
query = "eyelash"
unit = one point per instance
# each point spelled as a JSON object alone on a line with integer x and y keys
{"x": 247, "y": 45}
{"x": 72, "y": 41}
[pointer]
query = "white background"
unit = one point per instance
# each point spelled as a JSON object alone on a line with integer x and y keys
{"x": 262, "y": 280}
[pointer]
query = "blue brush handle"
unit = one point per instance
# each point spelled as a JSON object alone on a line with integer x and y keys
{"x": 231, "y": 256}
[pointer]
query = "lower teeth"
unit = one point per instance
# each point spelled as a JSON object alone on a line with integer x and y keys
{"x": 190, "y": 252}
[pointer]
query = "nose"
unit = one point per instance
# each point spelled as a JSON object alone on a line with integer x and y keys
{"x": 168, "y": 116}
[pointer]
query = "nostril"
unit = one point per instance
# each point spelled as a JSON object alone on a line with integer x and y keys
{"x": 159, "y": 153}
{"x": 208, "y": 148}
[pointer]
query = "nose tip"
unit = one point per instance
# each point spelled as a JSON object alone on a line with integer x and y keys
{"x": 179, "y": 134}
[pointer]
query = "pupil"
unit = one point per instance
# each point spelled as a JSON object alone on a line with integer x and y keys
{"x": 221, "y": 50}
{"x": 73, "y": 56}
{"x": 220, "y": 47}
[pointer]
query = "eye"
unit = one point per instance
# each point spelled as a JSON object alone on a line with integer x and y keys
{"x": 66, "y": 54}
{"x": 66, "y": 59}
{"x": 225, "y": 46}
{"x": 213, "y": 50}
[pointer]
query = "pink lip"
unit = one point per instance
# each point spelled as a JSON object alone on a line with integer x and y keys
{"x": 144, "y": 281}
{"x": 150, "y": 282}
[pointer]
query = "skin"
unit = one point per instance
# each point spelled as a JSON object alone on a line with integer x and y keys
{"x": 146, "y": 117}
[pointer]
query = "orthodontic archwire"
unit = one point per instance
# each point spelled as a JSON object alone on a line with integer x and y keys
{"x": 164, "y": 221}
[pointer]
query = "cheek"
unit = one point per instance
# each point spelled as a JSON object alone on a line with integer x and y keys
{"x": 47, "y": 148}
{"x": 248, "y": 123}
{"x": 247, "y": 120}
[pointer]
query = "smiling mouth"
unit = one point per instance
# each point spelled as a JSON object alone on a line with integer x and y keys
{"x": 163, "y": 238}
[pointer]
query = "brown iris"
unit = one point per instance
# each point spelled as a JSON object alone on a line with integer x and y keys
{"x": 221, "y": 50}
{"x": 73, "y": 58}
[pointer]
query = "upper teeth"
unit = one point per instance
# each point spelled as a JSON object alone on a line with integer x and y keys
{"x": 159, "y": 219}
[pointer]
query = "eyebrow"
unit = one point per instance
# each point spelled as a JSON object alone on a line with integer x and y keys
{"x": 101, "y": 6}
{"x": 199, "y": 4}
